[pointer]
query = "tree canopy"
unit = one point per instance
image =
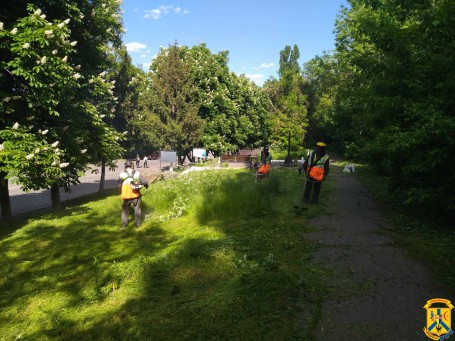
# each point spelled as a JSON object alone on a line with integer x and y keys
{"x": 191, "y": 99}
{"x": 391, "y": 85}
{"x": 53, "y": 87}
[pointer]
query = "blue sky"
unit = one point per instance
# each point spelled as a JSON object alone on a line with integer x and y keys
{"x": 253, "y": 31}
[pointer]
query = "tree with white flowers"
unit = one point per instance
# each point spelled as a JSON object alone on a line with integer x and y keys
{"x": 48, "y": 101}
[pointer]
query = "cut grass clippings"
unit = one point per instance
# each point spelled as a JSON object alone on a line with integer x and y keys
{"x": 217, "y": 257}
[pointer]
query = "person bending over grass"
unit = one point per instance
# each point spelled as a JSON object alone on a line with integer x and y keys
{"x": 264, "y": 160}
{"x": 316, "y": 166}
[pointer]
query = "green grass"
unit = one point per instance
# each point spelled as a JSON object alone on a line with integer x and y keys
{"x": 282, "y": 154}
{"x": 218, "y": 257}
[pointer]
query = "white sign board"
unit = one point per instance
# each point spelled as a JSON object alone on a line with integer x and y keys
{"x": 168, "y": 156}
{"x": 199, "y": 152}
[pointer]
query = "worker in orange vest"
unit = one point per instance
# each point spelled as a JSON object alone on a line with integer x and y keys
{"x": 316, "y": 166}
{"x": 264, "y": 160}
{"x": 129, "y": 184}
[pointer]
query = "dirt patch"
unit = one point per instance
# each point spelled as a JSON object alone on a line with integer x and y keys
{"x": 376, "y": 292}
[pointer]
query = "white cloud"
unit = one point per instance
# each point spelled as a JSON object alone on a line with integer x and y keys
{"x": 135, "y": 47}
{"x": 157, "y": 13}
{"x": 146, "y": 66}
{"x": 255, "y": 77}
{"x": 266, "y": 65}
{"x": 143, "y": 55}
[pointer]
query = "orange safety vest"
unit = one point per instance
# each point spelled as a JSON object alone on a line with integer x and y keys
{"x": 316, "y": 171}
{"x": 129, "y": 192}
{"x": 264, "y": 169}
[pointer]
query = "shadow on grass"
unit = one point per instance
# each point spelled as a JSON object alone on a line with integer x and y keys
{"x": 243, "y": 273}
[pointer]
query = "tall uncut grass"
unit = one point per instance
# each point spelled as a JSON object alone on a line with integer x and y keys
{"x": 218, "y": 257}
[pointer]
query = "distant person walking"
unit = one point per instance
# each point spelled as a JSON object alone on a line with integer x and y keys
{"x": 145, "y": 161}
{"x": 316, "y": 166}
{"x": 129, "y": 184}
{"x": 138, "y": 160}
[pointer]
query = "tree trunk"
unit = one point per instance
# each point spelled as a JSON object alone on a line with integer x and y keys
{"x": 288, "y": 160}
{"x": 189, "y": 156}
{"x": 5, "y": 202}
{"x": 103, "y": 175}
{"x": 55, "y": 197}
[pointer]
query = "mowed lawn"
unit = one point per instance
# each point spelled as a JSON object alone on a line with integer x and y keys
{"x": 217, "y": 257}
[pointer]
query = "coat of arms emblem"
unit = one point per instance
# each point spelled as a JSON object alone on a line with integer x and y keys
{"x": 439, "y": 319}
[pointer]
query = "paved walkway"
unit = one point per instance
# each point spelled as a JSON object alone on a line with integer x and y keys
{"x": 22, "y": 202}
{"x": 378, "y": 292}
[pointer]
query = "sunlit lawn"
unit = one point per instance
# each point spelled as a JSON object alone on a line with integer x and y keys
{"x": 218, "y": 257}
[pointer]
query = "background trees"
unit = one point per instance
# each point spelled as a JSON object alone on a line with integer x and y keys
{"x": 393, "y": 104}
{"x": 171, "y": 107}
{"x": 289, "y": 101}
{"x": 190, "y": 98}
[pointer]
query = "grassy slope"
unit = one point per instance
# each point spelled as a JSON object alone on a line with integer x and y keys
{"x": 218, "y": 257}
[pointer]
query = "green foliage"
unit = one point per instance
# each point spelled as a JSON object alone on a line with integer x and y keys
{"x": 321, "y": 84}
{"x": 289, "y": 64}
{"x": 232, "y": 111}
{"x": 171, "y": 108}
{"x": 28, "y": 159}
{"x": 205, "y": 264}
{"x": 395, "y": 96}
{"x": 235, "y": 109}
{"x": 50, "y": 82}
{"x": 289, "y": 113}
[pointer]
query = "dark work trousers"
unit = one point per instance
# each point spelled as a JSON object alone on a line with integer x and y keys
{"x": 137, "y": 211}
{"x": 306, "y": 193}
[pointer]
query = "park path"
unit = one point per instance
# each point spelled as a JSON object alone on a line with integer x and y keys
{"x": 378, "y": 293}
{"x": 35, "y": 201}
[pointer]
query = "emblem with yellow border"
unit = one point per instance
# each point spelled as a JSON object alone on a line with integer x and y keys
{"x": 439, "y": 319}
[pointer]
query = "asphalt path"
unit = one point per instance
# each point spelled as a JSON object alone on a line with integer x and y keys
{"x": 22, "y": 202}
